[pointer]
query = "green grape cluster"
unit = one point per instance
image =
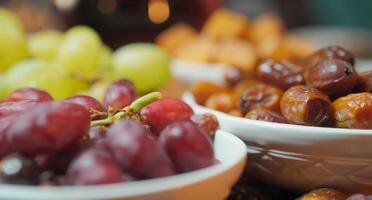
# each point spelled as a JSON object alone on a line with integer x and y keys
{"x": 74, "y": 62}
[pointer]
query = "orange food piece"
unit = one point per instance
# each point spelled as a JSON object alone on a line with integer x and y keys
{"x": 221, "y": 101}
{"x": 202, "y": 90}
{"x": 324, "y": 194}
{"x": 353, "y": 111}
{"x": 200, "y": 49}
{"x": 238, "y": 53}
{"x": 265, "y": 26}
{"x": 224, "y": 23}
{"x": 176, "y": 36}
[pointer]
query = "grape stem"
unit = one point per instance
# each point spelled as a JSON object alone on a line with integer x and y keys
{"x": 135, "y": 107}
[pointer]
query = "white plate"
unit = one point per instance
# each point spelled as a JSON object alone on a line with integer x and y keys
{"x": 301, "y": 157}
{"x": 212, "y": 182}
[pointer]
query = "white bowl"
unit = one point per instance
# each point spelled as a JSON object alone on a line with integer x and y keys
{"x": 212, "y": 182}
{"x": 301, "y": 157}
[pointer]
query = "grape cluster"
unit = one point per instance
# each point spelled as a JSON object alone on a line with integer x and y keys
{"x": 79, "y": 141}
{"x": 65, "y": 64}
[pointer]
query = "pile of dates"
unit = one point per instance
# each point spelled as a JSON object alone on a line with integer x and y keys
{"x": 79, "y": 141}
{"x": 322, "y": 89}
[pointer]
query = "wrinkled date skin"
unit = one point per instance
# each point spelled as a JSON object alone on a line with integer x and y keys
{"x": 260, "y": 96}
{"x": 305, "y": 105}
{"x": 323, "y": 194}
{"x": 264, "y": 114}
{"x": 364, "y": 82}
{"x": 280, "y": 73}
{"x": 334, "y": 77}
{"x": 353, "y": 111}
{"x": 333, "y": 52}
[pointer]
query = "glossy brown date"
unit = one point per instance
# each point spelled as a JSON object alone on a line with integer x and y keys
{"x": 334, "y": 77}
{"x": 333, "y": 52}
{"x": 264, "y": 114}
{"x": 323, "y": 194}
{"x": 280, "y": 73}
{"x": 221, "y": 101}
{"x": 233, "y": 76}
{"x": 365, "y": 82}
{"x": 202, "y": 90}
{"x": 260, "y": 96}
{"x": 353, "y": 111}
{"x": 239, "y": 88}
{"x": 305, "y": 105}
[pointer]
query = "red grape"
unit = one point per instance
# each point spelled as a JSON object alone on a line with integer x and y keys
{"x": 187, "y": 145}
{"x": 88, "y": 102}
{"x": 97, "y": 132}
{"x": 119, "y": 94}
{"x": 5, "y": 122}
{"x": 48, "y": 127}
{"x": 136, "y": 153}
{"x": 160, "y": 113}
{"x": 30, "y": 93}
{"x": 93, "y": 167}
{"x": 15, "y": 107}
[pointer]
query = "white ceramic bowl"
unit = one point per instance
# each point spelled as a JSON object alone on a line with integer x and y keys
{"x": 301, "y": 157}
{"x": 212, "y": 182}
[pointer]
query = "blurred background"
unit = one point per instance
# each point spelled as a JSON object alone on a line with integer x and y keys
{"x": 342, "y": 22}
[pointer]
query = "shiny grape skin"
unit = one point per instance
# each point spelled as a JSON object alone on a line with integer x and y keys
{"x": 15, "y": 107}
{"x": 162, "y": 112}
{"x": 93, "y": 167}
{"x": 88, "y": 102}
{"x": 135, "y": 151}
{"x": 119, "y": 94}
{"x": 30, "y": 93}
{"x": 48, "y": 128}
{"x": 5, "y": 147}
{"x": 187, "y": 145}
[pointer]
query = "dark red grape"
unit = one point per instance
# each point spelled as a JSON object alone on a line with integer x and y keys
{"x": 208, "y": 122}
{"x": 97, "y": 132}
{"x": 15, "y": 107}
{"x": 30, "y": 93}
{"x": 160, "y": 113}
{"x": 48, "y": 127}
{"x": 88, "y": 102}
{"x": 93, "y": 167}
{"x": 119, "y": 94}
{"x": 17, "y": 169}
{"x": 136, "y": 153}
{"x": 187, "y": 145}
{"x": 5, "y": 147}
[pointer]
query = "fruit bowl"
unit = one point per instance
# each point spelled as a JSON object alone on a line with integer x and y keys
{"x": 301, "y": 157}
{"x": 212, "y": 182}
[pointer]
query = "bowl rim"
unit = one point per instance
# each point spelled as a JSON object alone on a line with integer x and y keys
{"x": 189, "y": 98}
{"x": 129, "y": 189}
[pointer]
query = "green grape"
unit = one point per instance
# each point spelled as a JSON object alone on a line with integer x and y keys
{"x": 98, "y": 89}
{"x": 15, "y": 76}
{"x": 9, "y": 19}
{"x": 105, "y": 58}
{"x": 147, "y": 65}
{"x": 43, "y": 75}
{"x": 12, "y": 40}
{"x": 44, "y": 44}
{"x": 79, "y": 51}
